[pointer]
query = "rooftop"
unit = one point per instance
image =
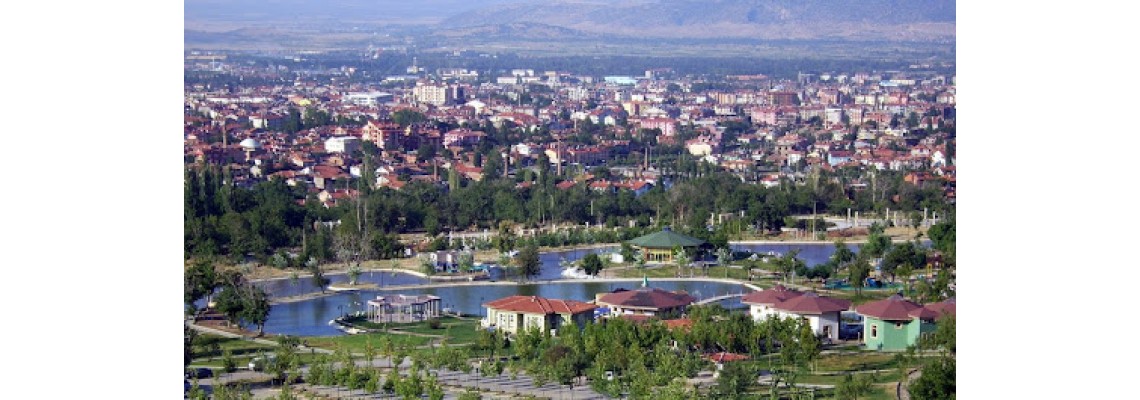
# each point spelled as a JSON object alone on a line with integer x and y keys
{"x": 666, "y": 239}
{"x": 539, "y": 305}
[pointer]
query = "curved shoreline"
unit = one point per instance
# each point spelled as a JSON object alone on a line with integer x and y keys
{"x": 310, "y": 296}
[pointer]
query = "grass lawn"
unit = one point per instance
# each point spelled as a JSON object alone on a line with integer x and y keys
{"x": 356, "y": 343}
{"x": 882, "y": 377}
{"x": 861, "y": 361}
{"x": 665, "y": 271}
{"x": 455, "y": 329}
{"x": 207, "y": 345}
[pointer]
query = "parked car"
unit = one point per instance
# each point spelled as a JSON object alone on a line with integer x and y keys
{"x": 199, "y": 373}
{"x": 850, "y": 331}
{"x": 260, "y": 363}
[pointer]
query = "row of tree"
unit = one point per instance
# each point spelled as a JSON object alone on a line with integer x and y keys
{"x": 224, "y": 219}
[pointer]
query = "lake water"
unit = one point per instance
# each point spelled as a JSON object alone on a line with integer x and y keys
{"x": 311, "y": 317}
{"x": 812, "y": 254}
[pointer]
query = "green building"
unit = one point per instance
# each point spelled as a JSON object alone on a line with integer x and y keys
{"x": 658, "y": 246}
{"x": 894, "y": 323}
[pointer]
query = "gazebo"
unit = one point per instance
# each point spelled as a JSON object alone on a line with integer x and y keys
{"x": 658, "y": 246}
{"x": 403, "y": 308}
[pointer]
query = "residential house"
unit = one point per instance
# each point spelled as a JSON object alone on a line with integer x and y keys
{"x": 645, "y": 301}
{"x": 821, "y": 313}
{"x": 894, "y": 323}
{"x": 515, "y": 314}
{"x": 462, "y": 137}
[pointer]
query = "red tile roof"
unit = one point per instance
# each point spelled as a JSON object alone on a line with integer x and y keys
{"x": 724, "y": 357}
{"x": 893, "y": 308}
{"x": 811, "y": 303}
{"x": 648, "y": 298}
{"x": 944, "y": 308}
{"x": 777, "y": 294}
{"x": 539, "y": 305}
{"x": 680, "y": 323}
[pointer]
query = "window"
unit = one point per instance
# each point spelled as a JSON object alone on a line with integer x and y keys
{"x": 898, "y": 325}
{"x": 874, "y": 331}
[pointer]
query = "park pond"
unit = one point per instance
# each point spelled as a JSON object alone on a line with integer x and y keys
{"x": 811, "y": 253}
{"x": 310, "y": 317}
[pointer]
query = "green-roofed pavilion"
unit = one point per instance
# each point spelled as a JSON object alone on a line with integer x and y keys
{"x": 658, "y": 246}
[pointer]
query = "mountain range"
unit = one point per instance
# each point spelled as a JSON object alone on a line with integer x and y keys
{"x": 893, "y": 20}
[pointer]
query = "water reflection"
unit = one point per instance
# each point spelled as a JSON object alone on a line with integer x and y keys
{"x": 310, "y": 317}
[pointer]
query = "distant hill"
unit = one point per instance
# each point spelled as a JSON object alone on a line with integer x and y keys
{"x": 458, "y": 23}
{"x": 761, "y": 19}
{"x": 352, "y": 11}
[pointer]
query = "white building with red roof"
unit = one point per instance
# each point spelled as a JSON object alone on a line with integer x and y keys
{"x": 645, "y": 301}
{"x": 822, "y": 313}
{"x": 515, "y": 314}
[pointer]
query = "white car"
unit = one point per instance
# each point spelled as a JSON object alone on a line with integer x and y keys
{"x": 260, "y": 363}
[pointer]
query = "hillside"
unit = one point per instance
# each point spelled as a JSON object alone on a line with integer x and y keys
{"x": 757, "y": 19}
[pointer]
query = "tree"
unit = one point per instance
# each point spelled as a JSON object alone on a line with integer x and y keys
{"x": 907, "y": 253}
{"x": 319, "y": 280}
{"x": 851, "y": 388}
{"x": 723, "y": 257}
{"x": 228, "y": 362}
{"x": 256, "y": 307}
{"x": 592, "y": 264}
{"x": 505, "y": 240}
{"x": 937, "y": 381}
{"x": 201, "y": 280}
{"x": 877, "y": 245}
{"x": 682, "y": 257}
{"x": 733, "y": 381}
{"x": 407, "y": 117}
{"x": 528, "y": 261}
{"x": 426, "y": 151}
{"x": 842, "y": 254}
{"x": 639, "y": 259}
{"x": 905, "y": 271}
{"x": 353, "y": 274}
{"x": 229, "y": 303}
{"x": 942, "y": 235}
{"x": 489, "y": 340}
{"x": 626, "y": 252}
{"x": 790, "y": 262}
{"x": 858, "y": 272}
{"x": 466, "y": 261}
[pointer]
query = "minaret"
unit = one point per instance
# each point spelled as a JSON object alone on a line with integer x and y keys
{"x": 225, "y": 135}
{"x": 646, "y": 157}
{"x": 558, "y": 151}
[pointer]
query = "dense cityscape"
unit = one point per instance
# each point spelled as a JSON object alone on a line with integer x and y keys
{"x": 296, "y": 168}
{"x": 508, "y": 202}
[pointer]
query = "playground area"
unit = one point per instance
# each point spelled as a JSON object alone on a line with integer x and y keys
{"x": 868, "y": 284}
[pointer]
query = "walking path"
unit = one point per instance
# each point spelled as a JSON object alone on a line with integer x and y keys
{"x": 902, "y": 391}
{"x": 719, "y": 298}
{"x": 228, "y": 334}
